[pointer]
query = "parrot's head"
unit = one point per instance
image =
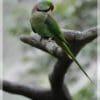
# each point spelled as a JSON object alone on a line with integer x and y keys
{"x": 44, "y": 6}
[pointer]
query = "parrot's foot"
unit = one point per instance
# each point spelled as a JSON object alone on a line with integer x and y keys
{"x": 50, "y": 39}
{"x": 46, "y": 38}
{"x": 43, "y": 38}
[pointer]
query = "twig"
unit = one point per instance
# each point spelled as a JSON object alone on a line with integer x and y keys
{"x": 17, "y": 89}
{"x": 26, "y": 91}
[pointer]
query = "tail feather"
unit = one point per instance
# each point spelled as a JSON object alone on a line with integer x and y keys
{"x": 70, "y": 54}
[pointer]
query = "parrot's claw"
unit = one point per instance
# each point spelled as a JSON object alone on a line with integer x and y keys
{"x": 50, "y": 39}
{"x": 41, "y": 39}
{"x": 46, "y": 38}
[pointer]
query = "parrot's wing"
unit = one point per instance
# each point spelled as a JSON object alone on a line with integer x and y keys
{"x": 54, "y": 28}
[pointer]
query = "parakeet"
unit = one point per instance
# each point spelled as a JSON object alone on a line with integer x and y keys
{"x": 45, "y": 25}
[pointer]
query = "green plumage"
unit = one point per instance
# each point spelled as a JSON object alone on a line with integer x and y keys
{"x": 38, "y": 24}
{"x": 46, "y": 26}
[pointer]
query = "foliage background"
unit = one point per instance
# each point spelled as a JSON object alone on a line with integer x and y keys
{"x": 30, "y": 66}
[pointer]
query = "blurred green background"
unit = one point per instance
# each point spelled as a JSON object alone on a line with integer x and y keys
{"x": 30, "y": 66}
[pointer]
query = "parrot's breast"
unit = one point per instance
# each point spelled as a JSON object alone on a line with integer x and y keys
{"x": 38, "y": 24}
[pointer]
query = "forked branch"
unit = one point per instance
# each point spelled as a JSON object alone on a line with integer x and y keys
{"x": 77, "y": 40}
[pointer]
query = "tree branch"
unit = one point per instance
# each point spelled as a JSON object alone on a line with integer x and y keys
{"x": 34, "y": 94}
{"x": 17, "y": 89}
{"x": 26, "y": 91}
{"x": 48, "y": 46}
{"x": 74, "y": 38}
{"x": 88, "y": 34}
{"x": 77, "y": 40}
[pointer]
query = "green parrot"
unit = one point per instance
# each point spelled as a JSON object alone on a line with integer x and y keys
{"x": 46, "y": 26}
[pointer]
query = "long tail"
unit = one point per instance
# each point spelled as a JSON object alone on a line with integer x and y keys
{"x": 68, "y": 52}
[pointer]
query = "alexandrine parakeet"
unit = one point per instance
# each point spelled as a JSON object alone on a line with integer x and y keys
{"x": 45, "y": 25}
